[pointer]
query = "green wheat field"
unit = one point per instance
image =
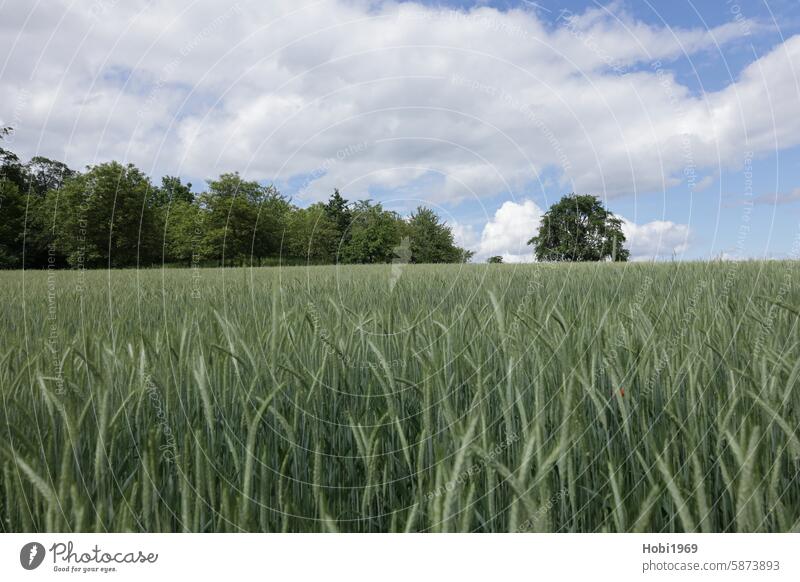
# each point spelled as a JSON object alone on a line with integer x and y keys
{"x": 487, "y": 398}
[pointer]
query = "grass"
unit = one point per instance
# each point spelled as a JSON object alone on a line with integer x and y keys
{"x": 574, "y": 398}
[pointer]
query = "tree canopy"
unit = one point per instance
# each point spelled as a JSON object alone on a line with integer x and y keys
{"x": 579, "y": 228}
{"x": 112, "y": 215}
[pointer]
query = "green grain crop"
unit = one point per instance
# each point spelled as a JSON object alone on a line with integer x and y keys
{"x": 565, "y": 398}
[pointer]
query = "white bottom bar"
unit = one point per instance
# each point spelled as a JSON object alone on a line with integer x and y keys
{"x": 390, "y": 557}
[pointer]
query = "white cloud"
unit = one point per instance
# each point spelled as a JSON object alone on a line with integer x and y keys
{"x": 778, "y": 199}
{"x": 464, "y": 235}
{"x": 484, "y": 100}
{"x": 657, "y": 239}
{"x": 507, "y": 234}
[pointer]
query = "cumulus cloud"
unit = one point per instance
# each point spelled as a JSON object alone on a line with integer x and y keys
{"x": 508, "y": 232}
{"x": 656, "y": 239}
{"x": 468, "y": 103}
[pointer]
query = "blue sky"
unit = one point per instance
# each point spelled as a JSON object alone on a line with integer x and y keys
{"x": 681, "y": 115}
{"x": 717, "y": 213}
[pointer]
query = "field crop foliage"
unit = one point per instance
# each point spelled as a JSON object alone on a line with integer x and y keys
{"x": 490, "y": 398}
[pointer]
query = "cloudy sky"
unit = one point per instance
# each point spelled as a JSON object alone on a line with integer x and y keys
{"x": 683, "y": 116}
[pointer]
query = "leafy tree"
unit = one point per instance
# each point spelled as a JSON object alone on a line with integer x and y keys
{"x": 432, "y": 240}
{"x": 338, "y": 211}
{"x": 11, "y": 206}
{"x": 24, "y": 232}
{"x": 373, "y": 235}
{"x": 12, "y": 225}
{"x": 579, "y": 228}
{"x": 495, "y": 259}
{"x": 311, "y": 234}
{"x": 44, "y": 174}
{"x": 465, "y": 255}
{"x": 172, "y": 190}
{"x": 103, "y": 219}
{"x": 10, "y": 166}
{"x": 185, "y": 237}
{"x": 274, "y": 211}
{"x": 245, "y": 220}
{"x": 111, "y": 215}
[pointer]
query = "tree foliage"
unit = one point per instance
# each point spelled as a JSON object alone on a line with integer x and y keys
{"x": 579, "y": 228}
{"x": 112, "y": 215}
{"x": 373, "y": 234}
{"x": 12, "y": 209}
{"x": 432, "y": 240}
{"x": 103, "y": 218}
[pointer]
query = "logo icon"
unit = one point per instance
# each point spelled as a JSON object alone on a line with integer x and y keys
{"x": 31, "y": 555}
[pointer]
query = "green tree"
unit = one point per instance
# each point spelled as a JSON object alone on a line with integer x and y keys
{"x": 172, "y": 190}
{"x": 12, "y": 225}
{"x": 10, "y": 166}
{"x": 185, "y": 237}
{"x": 432, "y": 240}
{"x": 12, "y": 206}
{"x": 101, "y": 218}
{"x": 245, "y": 219}
{"x": 339, "y": 213}
{"x": 465, "y": 255}
{"x": 497, "y": 259}
{"x": 311, "y": 235}
{"x": 25, "y": 233}
{"x": 373, "y": 234}
{"x": 579, "y": 228}
{"x": 274, "y": 210}
{"x": 44, "y": 174}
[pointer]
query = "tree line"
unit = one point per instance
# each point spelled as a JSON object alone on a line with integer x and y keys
{"x": 112, "y": 215}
